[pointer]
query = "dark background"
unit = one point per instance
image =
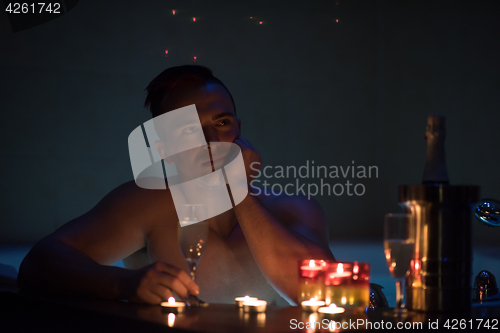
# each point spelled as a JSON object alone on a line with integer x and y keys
{"x": 306, "y": 88}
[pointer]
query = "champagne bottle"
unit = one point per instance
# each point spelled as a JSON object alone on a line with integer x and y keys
{"x": 435, "y": 172}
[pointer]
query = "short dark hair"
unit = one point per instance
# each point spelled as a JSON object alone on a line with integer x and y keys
{"x": 179, "y": 79}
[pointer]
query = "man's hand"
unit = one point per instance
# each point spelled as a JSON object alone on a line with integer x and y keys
{"x": 250, "y": 155}
{"x": 154, "y": 284}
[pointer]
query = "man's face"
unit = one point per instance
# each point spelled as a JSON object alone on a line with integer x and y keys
{"x": 218, "y": 123}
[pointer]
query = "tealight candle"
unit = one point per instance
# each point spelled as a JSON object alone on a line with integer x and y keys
{"x": 347, "y": 284}
{"x": 254, "y": 306}
{"x": 240, "y": 300}
{"x": 340, "y": 273}
{"x": 311, "y": 279}
{"x": 332, "y": 309}
{"x": 311, "y": 269}
{"x": 312, "y": 305}
{"x": 173, "y": 306}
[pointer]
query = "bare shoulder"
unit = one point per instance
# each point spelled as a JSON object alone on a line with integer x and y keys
{"x": 129, "y": 198}
{"x": 120, "y": 223}
{"x": 294, "y": 207}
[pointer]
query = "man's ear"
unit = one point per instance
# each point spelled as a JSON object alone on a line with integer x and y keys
{"x": 160, "y": 147}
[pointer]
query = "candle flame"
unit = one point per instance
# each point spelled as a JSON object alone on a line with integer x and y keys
{"x": 333, "y": 306}
{"x": 311, "y": 263}
{"x": 340, "y": 268}
{"x": 171, "y": 300}
{"x": 355, "y": 269}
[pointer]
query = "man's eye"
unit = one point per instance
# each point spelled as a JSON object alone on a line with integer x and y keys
{"x": 223, "y": 122}
{"x": 189, "y": 130}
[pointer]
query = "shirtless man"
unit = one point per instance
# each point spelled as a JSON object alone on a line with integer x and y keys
{"x": 252, "y": 249}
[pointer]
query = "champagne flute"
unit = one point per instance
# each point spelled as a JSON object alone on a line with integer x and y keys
{"x": 192, "y": 233}
{"x": 399, "y": 246}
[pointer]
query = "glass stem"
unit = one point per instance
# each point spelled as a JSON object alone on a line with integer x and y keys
{"x": 192, "y": 269}
{"x": 400, "y": 293}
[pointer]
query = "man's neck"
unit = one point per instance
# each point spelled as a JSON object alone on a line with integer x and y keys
{"x": 197, "y": 193}
{"x": 224, "y": 224}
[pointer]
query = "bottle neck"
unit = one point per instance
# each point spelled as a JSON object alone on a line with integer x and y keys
{"x": 435, "y": 172}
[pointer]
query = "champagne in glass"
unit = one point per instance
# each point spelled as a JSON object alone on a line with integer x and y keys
{"x": 399, "y": 246}
{"x": 193, "y": 235}
{"x": 399, "y": 253}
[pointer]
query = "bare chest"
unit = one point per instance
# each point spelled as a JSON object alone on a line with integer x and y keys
{"x": 226, "y": 270}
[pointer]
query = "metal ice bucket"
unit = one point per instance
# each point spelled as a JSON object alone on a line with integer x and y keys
{"x": 440, "y": 273}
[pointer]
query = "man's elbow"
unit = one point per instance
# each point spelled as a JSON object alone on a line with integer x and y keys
{"x": 26, "y": 278}
{"x": 32, "y": 268}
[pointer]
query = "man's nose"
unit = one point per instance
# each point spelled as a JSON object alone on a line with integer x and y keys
{"x": 210, "y": 134}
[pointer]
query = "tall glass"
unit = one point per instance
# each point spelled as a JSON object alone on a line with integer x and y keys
{"x": 193, "y": 235}
{"x": 399, "y": 246}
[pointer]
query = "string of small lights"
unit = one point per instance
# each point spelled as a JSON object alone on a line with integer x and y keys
{"x": 174, "y": 12}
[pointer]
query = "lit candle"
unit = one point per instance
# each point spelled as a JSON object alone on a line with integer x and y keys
{"x": 173, "y": 306}
{"x": 311, "y": 279}
{"x": 312, "y": 269}
{"x": 240, "y": 300}
{"x": 340, "y": 273}
{"x": 347, "y": 284}
{"x": 332, "y": 309}
{"x": 255, "y": 306}
{"x": 312, "y": 305}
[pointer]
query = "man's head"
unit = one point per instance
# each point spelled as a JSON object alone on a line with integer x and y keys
{"x": 173, "y": 83}
{"x": 182, "y": 86}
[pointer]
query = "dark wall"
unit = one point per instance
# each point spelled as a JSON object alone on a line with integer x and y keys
{"x": 307, "y": 88}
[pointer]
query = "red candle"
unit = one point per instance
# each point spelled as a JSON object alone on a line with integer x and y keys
{"x": 313, "y": 268}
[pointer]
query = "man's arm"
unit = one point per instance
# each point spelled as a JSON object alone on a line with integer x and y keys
{"x": 73, "y": 259}
{"x": 291, "y": 229}
{"x": 281, "y": 231}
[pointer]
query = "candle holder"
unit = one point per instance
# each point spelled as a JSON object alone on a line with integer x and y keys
{"x": 331, "y": 309}
{"x": 348, "y": 284}
{"x": 311, "y": 279}
{"x": 254, "y": 306}
{"x": 241, "y": 300}
{"x": 172, "y": 306}
{"x": 312, "y": 305}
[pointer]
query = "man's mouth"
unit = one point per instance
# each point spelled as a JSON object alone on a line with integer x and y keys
{"x": 217, "y": 163}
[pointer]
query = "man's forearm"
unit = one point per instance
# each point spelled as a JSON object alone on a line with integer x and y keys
{"x": 275, "y": 248}
{"x": 54, "y": 265}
